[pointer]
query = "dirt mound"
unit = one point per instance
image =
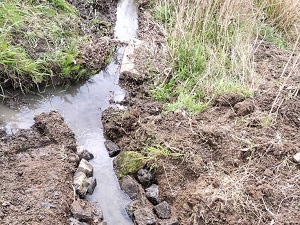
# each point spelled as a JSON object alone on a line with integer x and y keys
{"x": 36, "y": 169}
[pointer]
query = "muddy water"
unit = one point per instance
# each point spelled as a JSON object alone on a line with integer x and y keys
{"x": 82, "y": 106}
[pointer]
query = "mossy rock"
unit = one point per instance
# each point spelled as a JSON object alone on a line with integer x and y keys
{"x": 128, "y": 162}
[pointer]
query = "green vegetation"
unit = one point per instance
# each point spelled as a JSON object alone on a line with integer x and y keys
{"x": 155, "y": 152}
{"x": 42, "y": 41}
{"x": 211, "y": 46}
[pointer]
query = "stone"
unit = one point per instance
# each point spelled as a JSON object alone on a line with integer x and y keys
{"x": 132, "y": 206}
{"x": 163, "y": 210}
{"x": 82, "y": 210}
{"x": 297, "y": 157}
{"x": 84, "y": 154}
{"x": 74, "y": 221}
{"x": 144, "y": 216}
{"x": 91, "y": 184}
{"x": 103, "y": 223}
{"x": 128, "y": 162}
{"x": 85, "y": 167}
{"x": 144, "y": 177}
{"x": 130, "y": 187}
{"x": 80, "y": 183}
{"x": 112, "y": 148}
{"x": 172, "y": 221}
{"x": 152, "y": 194}
{"x": 73, "y": 158}
{"x": 128, "y": 65}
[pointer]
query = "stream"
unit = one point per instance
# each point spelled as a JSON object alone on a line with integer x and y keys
{"x": 81, "y": 106}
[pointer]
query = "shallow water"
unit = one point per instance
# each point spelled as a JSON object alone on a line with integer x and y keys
{"x": 81, "y": 106}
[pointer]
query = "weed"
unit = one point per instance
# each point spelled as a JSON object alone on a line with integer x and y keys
{"x": 153, "y": 153}
{"x": 270, "y": 35}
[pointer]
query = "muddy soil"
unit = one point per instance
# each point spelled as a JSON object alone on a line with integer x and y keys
{"x": 36, "y": 173}
{"x": 238, "y": 163}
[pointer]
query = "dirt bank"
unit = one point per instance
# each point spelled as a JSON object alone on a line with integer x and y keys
{"x": 238, "y": 163}
{"x": 36, "y": 171}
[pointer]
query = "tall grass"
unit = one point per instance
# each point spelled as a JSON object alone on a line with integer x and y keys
{"x": 211, "y": 45}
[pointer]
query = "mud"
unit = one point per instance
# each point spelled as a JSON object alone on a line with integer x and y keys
{"x": 238, "y": 163}
{"x": 36, "y": 170}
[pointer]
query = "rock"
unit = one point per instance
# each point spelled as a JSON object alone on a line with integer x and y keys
{"x": 74, "y": 158}
{"x": 163, "y": 210}
{"x": 92, "y": 183}
{"x": 84, "y": 154}
{"x": 112, "y": 148}
{"x": 129, "y": 68}
{"x": 144, "y": 216}
{"x": 85, "y": 167}
{"x": 47, "y": 205}
{"x": 103, "y": 223}
{"x": 130, "y": 187}
{"x": 144, "y": 177}
{"x": 128, "y": 162}
{"x": 73, "y": 221}
{"x": 82, "y": 210}
{"x": 297, "y": 157}
{"x": 244, "y": 108}
{"x": 6, "y": 204}
{"x": 152, "y": 194}
{"x": 80, "y": 183}
{"x": 132, "y": 206}
{"x": 2, "y": 133}
{"x": 172, "y": 221}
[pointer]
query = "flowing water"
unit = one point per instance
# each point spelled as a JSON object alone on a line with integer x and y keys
{"x": 81, "y": 106}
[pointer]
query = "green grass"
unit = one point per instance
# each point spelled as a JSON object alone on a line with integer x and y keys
{"x": 211, "y": 47}
{"x": 40, "y": 39}
{"x": 155, "y": 152}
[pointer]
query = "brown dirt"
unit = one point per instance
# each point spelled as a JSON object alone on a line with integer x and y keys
{"x": 36, "y": 173}
{"x": 237, "y": 166}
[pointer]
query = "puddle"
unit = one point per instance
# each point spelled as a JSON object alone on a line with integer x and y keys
{"x": 81, "y": 106}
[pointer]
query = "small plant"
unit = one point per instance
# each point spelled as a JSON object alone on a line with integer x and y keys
{"x": 153, "y": 153}
{"x": 272, "y": 36}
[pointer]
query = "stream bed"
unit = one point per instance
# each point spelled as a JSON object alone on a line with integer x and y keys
{"x": 81, "y": 106}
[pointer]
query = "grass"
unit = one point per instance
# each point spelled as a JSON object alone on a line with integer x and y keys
{"x": 155, "y": 152}
{"x": 211, "y": 47}
{"x": 40, "y": 40}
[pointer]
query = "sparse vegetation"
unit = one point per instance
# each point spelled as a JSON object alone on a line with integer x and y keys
{"x": 211, "y": 46}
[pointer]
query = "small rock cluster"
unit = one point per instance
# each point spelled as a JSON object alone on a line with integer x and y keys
{"x": 147, "y": 206}
{"x": 84, "y": 183}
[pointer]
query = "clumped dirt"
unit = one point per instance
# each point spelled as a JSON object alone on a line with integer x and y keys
{"x": 238, "y": 163}
{"x": 36, "y": 173}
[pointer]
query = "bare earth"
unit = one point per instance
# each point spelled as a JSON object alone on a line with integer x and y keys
{"x": 36, "y": 173}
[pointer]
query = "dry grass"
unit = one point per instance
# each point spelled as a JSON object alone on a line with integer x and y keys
{"x": 283, "y": 14}
{"x": 211, "y": 46}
